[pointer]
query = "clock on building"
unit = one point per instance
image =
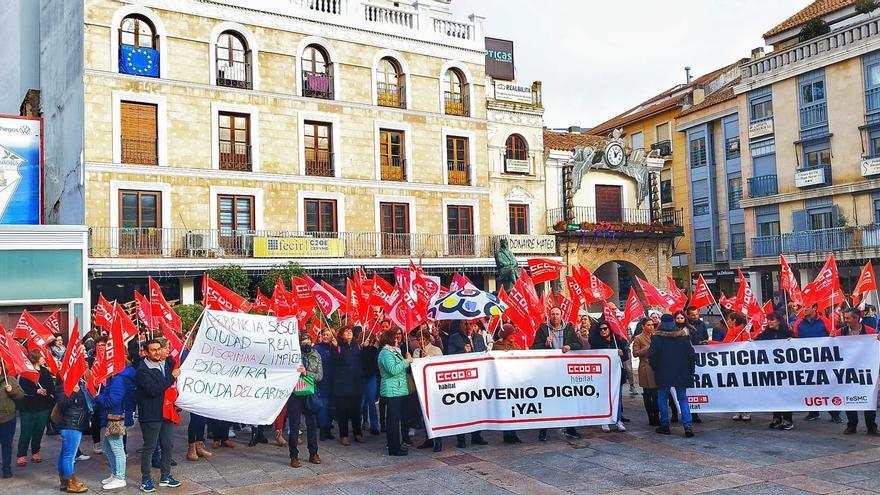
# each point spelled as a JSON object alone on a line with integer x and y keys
{"x": 614, "y": 155}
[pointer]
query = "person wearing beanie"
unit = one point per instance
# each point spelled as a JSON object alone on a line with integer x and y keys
{"x": 507, "y": 343}
{"x": 557, "y": 334}
{"x": 673, "y": 360}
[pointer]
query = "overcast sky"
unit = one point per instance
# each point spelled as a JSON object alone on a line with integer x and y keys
{"x": 597, "y": 58}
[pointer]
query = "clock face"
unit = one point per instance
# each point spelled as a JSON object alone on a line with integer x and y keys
{"x": 614, "y": 155}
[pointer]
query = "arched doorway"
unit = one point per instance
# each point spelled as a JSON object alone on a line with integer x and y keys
{"x": 620, "y": 275}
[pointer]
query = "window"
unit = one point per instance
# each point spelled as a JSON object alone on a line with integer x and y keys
{"x": 455, "y": 94}
{"x": 141, "y": 220}
{"x": 817, "y": 158}
{"x": 872, "y": 84}
{"x": 460, "y": 227}
{"x": 703, "y": 252}
{"x": 698, "y": 152}
{"x": 138, "y": 47}
{"x": 734, "y": 190}
{"x": 737, "y": 241}
{"x": 138, "y": 32}
{"x": 821, "y": 220}
{"x": 317, "y": 73}
{"x": 457, "y": 165}
{"x": 235, "y": 214}
{"x": 763, "y": 148}
{"x": 637, "y": 140}
{"x": 666, "y": 191}
{"x": 233, "y": 61}
{"x": 516, "y": 155}
{"x": 762, "y": 110}
{"x": 701, "y": 206}
{"x": 519, "y": 219}
{"x": 877, "y": 211}
{"x": 768, "y": 228}
{"x": 731, "y": 148}
{"x": 874, "y": 144}
{"x": 139, "y": 133}
{"x": 662, "y": 132}
{"x": 813, "y": 92}
{"x": 389, "y": 84}
{"x": 391, "y": 155}
{"x": 317, "y": 140}
{"x": 394, "y": 222}
{"x": 235, "y": 141}
{"x": 320, "y": 215}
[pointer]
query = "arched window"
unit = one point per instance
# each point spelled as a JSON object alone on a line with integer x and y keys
{"x": 455, "y": 97}
{"x": 233, "y": 61}
{"x": 317, "y": 73}
{"x": 138, "y": 31}
{"x": 516, "y": 158}
{"x": 389, "y": 84}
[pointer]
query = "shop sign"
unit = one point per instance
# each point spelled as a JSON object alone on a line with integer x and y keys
{"x": 870, "y": 166}
{"x": 516, "y": 166}
{"x": 762, "y": 128}
{"x": 499, "y": 59}
{"x": 21, "y": 149}
{"x": 513, "y": 92}
{"x": 531, "y": 244}
{"x": 811, "y": 177}
{"x": 298, "y": 247}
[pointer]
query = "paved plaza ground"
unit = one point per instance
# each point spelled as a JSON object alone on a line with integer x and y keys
{"x": 725, "y": 457}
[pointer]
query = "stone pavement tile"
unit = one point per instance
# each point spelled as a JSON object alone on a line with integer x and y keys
{"x": 765, "y": 488}
{"x": 688, "y": 487}
{"x": 856, "y": 491}
{"x": 872, "y": 484}
{"x": 509, "y": 480}
{"x": 764, "y": 473}
{"x": 809, "y": 484}
{"x": 724, "y": 481}
{"x": 363, "y": 487}
{"x": 598, "y": 486}
{"x": 839, "y": 476}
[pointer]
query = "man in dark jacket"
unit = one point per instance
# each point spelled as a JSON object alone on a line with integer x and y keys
{"x": 463, "y": 342}
{"x": 673, "y": 359}
{"x": 700, "y": 335}
{"x": 853, "y": 325}
{"x": 811, "y": 325}
{"x": 557, "y": 334}
{"x": 154, "y": 376}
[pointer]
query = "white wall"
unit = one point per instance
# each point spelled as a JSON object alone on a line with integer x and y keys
{"x": 19, "y": 52}
{"x": 586, "y": 195}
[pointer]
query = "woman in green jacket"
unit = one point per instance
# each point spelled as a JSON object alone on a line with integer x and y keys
{"x": 392, "y": 369}
{"x": 10, "y": 391}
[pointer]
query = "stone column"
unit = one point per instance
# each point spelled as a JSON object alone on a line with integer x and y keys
{"x": 187, "y": 290}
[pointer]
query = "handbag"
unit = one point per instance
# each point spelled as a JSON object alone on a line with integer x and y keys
{"x": 115, "y": 425}
{"x": 304, "y": 386}
{"x": 55, "y": 415}
{"x": 314, "y": 403}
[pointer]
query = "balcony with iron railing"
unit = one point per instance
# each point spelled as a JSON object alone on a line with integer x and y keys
{"x": 769, "y": 245}
{"x": 138, "y": 151}
{"x": 235, "y": 74}
{"x": 390, "y": 95}
{"x": 317, "y": 84}
{"x": 117, "y": 242}
{"x": 627, "y": 220}
{"x": 456, "y": 176}
{"x": 872, "y": 100}
{"x": 815, "y": 115}
{"x": 763, "y": 185}
{"x": 392, "y": 168}
{"x": 235, "y": 156}
{"x": 319, "y": 163}
{"x": 456, "y": 104}
{"x": 819, "y": 242}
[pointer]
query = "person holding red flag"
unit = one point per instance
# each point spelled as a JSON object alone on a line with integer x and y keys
{"x": 10, "y": 392}
{"x": 75, "y": 408}
{"x": 153, "y": 377}
{"x": 33, "y": 409}
{"x": 557, "y": 334}
{"x": 777, "y": 329}
{"x": 853, "y": 325}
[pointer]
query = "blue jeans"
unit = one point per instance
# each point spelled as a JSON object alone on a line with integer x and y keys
{"x": 620, "y": 401}
{"x": 324, "y": 414}
{"x": 663, "y": 403}
{"x": 69, "y": 445}
{"x": 114, "y": 450}
{"x": 7, "y": 431}
{"x": 368, "y": 402}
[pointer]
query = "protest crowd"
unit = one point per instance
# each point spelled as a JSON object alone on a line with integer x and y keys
{"x": 355, "y": 382}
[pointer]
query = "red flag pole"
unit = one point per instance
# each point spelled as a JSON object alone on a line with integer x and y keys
{"x": 5, "y": 374}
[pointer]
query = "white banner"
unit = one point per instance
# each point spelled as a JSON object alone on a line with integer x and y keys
{"x": 241, "y": 368}
{"x": 821, "y": 374}
{"x": 515, "y": 390}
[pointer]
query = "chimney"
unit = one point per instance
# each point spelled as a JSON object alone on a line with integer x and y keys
{"x": 698, "y": 95}
{"x": 687, "y": 74}
{"x": 575, "y": 129}
{"x": 757, "y": 53}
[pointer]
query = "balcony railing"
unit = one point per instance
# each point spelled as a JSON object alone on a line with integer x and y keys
{"x": 734, "y": 197}
{"x": 763, "y": 185}
{"x": 234, "y": 74}
{"x": 317, "y": 84}
{"x": 140, "y": 151}
{"x": 393, "y": 168}
{"x": 113, "y": 242}
{"x": 639, "y": 219}
{"x": 818, "y": 241}
{"x": 836, "y": 41}
{"x": 390, "y": 95}
{"x": 235, "y": 156}
{"x": 456, "y": 104}
{"x": 770, "y": 245}
{"x": 872, "y": 100}
{"x": 458, "y": 177}
{"x": 319, "y": 163}
{"x": 814, "y": 115}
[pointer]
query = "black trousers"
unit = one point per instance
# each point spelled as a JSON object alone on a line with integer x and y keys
{"x": 649, "y": 397}
{"x": 784, "y": 416}
{"x": 95, "y": 425}
{"x": 219, "y": 429}
{"x": 296, "y": 409}
{"x": 348, "y": 408}
{"x": 393, "y": 422}
{"x": 870, "y": 419}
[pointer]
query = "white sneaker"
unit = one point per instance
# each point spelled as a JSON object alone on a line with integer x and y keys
{"x": 83, "y": 457}
{"x": 114, "y": 484}
{"x": 737, "y": 417}
{"x": 245, "y": 429}
{"x": 620, "y": 426}
{"x": 746, "y": 417}
{"x": 606, "y": 428}
{"x": 108, "y": 480}
{"x": 231, "y": 433}
{"x": 98, "y": 449}
{"x": 412, "y": 432}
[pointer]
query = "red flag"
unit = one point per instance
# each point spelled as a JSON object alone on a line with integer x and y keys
{"x": 129, "y": 331}
{"x": 15, "y": 357}
{"x": 340, "y": 298}
{"x": 53, "y": 323}
{"x": 326, "y": 302}
{"x": 825, "y": 287}
{"x": 381, "y": 293}
{"x": 768, "y": 307}
{"x": 543, "y": 269}
{"x": 103, "y": 312}
{"x": 160, "y": 307}
{"x": 569, "y": 310}
{"x": 280, "y": 303}
{"x": 51, "y": 362}
{"x": 677, "y": 294}
{"x": 866, "y": 283}
{"x": 633, "y": 308}
{"x": 460, "y": 281}
{"x": 144, "y": 311}
{"x": 217, "y": 297}
{"x": 99, "y": 371}
{"x": 611, "y": 318}
{"x": 169, "y": 412}
{"x": 527, "y": 289}
{"x": 261, "y": 302}
{"x": 655, "y": 296}
{"x": 29, "y": 328}
{"x": 575, "y": 292}
{"x": 702, "y": 296}
{"x": 302, "y": 292}
{"x": 115, "y": 348}
{"x": 789, "y": 283}
{"x": 175, "y": 346}
{"x": 74, "y": 364}
{"x": 595, "y": 289}
{"x": 728, "y": 303}
{"x": 517, "y": 312}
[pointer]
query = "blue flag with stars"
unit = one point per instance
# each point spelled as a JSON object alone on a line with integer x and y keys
{"x": 138, "y": 61}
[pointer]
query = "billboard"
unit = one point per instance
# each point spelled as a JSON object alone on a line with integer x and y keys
{"x": 21, "y": 163}
{"x": 499, "y": 59}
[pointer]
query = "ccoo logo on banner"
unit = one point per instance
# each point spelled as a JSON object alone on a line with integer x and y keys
{"x": 831, "y": 373}
{"x": 512, "y": 390}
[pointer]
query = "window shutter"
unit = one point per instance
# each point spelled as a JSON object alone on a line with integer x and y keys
{"x": 835, "y": 214}
{"x": 799, "y": 221}
{"x": 138, "y": 120}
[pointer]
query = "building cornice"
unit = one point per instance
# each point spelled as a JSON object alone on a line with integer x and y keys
{"x": 706, "y": 118}
{"x": 226, "y": 175}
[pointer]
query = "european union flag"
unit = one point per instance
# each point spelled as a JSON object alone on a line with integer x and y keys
{"x": 138, "y": 61}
